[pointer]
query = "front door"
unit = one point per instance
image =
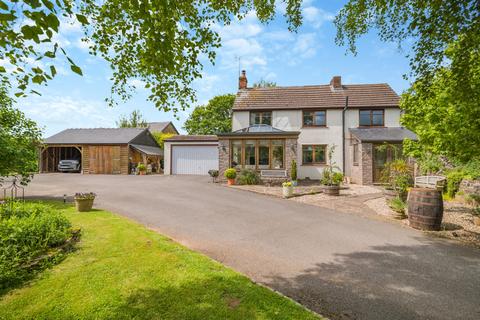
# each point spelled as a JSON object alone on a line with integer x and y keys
{"x": 382, "y": 154}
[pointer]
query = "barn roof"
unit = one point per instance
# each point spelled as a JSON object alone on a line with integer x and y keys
{"x": 160, "y": 126}
{"x": 95, "y": 136}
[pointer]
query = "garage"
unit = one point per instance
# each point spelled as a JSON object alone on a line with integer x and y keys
{"x": 191, "y": 155}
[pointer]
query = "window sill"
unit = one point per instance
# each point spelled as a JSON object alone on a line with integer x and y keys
{"x": 360, "y": 127}
{"x": 314, "y": 127}
{"x": 314, "y": 164}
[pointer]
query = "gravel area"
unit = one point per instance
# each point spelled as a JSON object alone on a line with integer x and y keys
{"x": 314, "y": 191}
{"x": 380, "y": 206}
{"x": 458, "y": 224}
{"x": 457, "y": 218}
{"x": 277, "y": 190}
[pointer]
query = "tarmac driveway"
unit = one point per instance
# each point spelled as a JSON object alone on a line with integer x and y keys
{"x": 341, "y": 265}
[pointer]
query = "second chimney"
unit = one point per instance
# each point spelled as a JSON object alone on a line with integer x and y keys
{"x": 336, "y": 83}
{"x": 242, "y": 80}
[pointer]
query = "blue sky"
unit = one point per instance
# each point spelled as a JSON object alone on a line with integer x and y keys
{"x": 268, "y": 52}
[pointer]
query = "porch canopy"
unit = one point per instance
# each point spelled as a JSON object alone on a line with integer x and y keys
{"x": 391, "y": 134}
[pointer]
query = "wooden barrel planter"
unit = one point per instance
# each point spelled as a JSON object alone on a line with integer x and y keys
{"x": 425, "y": 209}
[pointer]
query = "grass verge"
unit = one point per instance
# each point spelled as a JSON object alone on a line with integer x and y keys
{"x": 121, "y": 270}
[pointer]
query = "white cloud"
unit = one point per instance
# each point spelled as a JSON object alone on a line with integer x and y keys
{"x": 137, "y": 83}
{"x": 57, "y": 112}
{"x": 206, "y": 83}
{"x": 305, "y": 46}
{"x": 316, "y": 17}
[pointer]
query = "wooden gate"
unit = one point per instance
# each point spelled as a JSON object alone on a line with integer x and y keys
{"x": 104, "y": 159}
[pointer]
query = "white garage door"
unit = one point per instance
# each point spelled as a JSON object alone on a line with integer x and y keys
{"x": 194, "y": 159}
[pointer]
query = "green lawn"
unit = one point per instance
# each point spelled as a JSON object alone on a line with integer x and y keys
{"x": 121, "y": 270}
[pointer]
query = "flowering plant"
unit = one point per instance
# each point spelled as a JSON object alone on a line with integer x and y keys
{"x": 85, "y": 196}
{"x": 287, "y": 184}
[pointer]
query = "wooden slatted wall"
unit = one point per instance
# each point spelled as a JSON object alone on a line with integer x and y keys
{"x": 107, "y": 159}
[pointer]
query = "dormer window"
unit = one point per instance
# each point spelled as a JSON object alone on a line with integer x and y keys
{"x": 264, "y": 117}
{"x": 372, "y": 118}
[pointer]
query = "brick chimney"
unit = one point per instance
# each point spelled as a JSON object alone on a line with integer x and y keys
{"x": 336, "y": 83}
{"x": 242, "y": 80}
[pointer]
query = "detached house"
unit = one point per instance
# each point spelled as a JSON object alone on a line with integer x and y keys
{"x": 273, "y": 126}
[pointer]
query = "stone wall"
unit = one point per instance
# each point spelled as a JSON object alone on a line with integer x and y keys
{"x": 223, "y": 157}
{"x": 470, "y": 186}
{"x": 363, "y": 172}
{"x": 290, "y": 154}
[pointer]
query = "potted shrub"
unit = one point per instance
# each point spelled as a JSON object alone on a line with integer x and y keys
{"x": 287, "y": 189}
{"x": 142, "y": 169}
{"x": 293, "y": 173}
{"x": 331, "y": 179}
{"x": 213, "y": 174}
{"x": 84, "y": 201}
{"x": 230, "y": 174}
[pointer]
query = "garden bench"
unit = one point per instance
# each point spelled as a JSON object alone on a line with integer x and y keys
{"x": 273, "y": 173}
{"x": 431, "y": 182}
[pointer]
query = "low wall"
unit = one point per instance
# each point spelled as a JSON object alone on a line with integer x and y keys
{"x": 470, "y": 186}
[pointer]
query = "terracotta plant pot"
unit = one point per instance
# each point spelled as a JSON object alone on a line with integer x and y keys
{"x": 331, "y": 190}
{"x": 84, "y": 205}
{"x": 231, "y": 182}
{"x": 142, "y": 173}
{"x": 287, "y": 191}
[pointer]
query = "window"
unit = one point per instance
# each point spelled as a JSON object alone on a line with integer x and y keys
{"x": 371, "y": 118}
{"x": 263, "y": 154}
{"x": 250, "y": 154}
{"x": 355, "y": 154}
{"x": 314, "y": 154}
{"x": 315, "y": 118}
{"x": 277, "y": 154}
{"x": 261, "y": 118}
{"x": 236, "y": 154}
{"x": 257, "y": 154}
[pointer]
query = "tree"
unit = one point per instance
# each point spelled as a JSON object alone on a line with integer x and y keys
{"x": 19, "y": 141}
{"x": 158, "y": 42}
{"x": 432, "y": 26}
{"x": 445, "y": 111}
{"x": 442, "y": 105}
{"x": 134, "y": 120}
{"x": 213, "y": 118}
{"x": 160, "y": 137}
{"x": 264, "y": 84}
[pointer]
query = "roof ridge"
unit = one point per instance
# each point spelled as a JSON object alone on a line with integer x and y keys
{"x": 315, "y": 86}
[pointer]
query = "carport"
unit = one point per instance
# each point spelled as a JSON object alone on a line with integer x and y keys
{"x": 102, "y": 150}
{"x": 51, "y": 155}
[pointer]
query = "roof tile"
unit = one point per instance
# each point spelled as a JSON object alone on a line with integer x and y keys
{"x": 319, "y": 96}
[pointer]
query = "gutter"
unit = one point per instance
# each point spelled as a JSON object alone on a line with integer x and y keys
{"x": 343, "y": 133}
